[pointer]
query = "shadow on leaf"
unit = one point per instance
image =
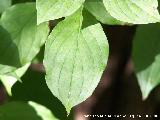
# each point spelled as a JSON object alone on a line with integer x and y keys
{"x": 34, "y": 88}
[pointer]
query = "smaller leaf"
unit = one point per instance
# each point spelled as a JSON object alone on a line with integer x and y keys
{"x": 10, "y": 78}
{"x": 20, "y": 41}
{"x": 25, "y": 111}
{"x": 55, "y": 9}
{"x": 35, "y": 81}
{"x": 146, "y": 56}
{"x": 21, "y": 27}
{"x": 96, "y": 8}
{"x": 133, "y": 11}
{"x": 42, "y": 111}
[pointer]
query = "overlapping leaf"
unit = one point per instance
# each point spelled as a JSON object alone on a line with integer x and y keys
{"x": 35, "y": 81}
{"x": 54, "y": 9}
{"x": 133, "y": 11}
{"x": 96, "y": 7}
{"x": 146, "y": 55}
{"x": 75, "y": 59}
{"x": 25, "y": 111}
{"x": 10, "y": 75}
{"x": 20, "y": 38}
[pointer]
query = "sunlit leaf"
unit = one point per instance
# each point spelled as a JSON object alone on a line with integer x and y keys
{"x": 20, "y": 40}
{"x": 133, "y": 11}
{"x": 75, "y": 59}
{"x": 96, "y": 7}
{"x": 54, "y": 9}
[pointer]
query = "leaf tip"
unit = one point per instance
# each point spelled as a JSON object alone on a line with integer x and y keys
{"x": 8, "y": 82}
{"x": 68, "y": 110}
{"x": 146, "y": 91}
{"x": 145, "y": 96}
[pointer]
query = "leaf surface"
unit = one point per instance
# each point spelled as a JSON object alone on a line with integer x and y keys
{"x": 24, "y": 37}
{"x": 35, "y": 81}
{"x": 55, "y": 9}
{"x": 4, "y": 4}
{"x": 20, "y": 40}
{"x": 133, "y": 11}
{"x": 25, "y": 111}
{"x": 96, "y": 7}
{"x": 10, "y": 75}
{"x": 75, "y": 59}
{"x": 146, "y": 56}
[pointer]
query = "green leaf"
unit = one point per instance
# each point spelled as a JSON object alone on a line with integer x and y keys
{"x": 133, "y": 11}
{"x": 20, "y": 39}
{"x": 4, "y": 4}
{"x": 96, "y": 7}
{"x": 35, "y": 81}
{"x": 146, "y": 56}
{"x": 75, "y": 59}
{"x": 4, "y": 69}
{"x": 55, "y": 9}
{"x": 25, "y": 37}
{"x": 11, "y": 76}
{"x": 25, "y": 111}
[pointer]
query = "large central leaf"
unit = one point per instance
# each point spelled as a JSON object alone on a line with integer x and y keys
{"x": 75, "y": 59}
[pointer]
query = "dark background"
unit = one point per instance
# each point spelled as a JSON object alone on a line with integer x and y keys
{"x": 118, "y": 93}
